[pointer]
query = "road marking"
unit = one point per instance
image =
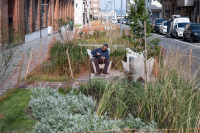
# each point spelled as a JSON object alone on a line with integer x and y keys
{"x": 181, "y": 41}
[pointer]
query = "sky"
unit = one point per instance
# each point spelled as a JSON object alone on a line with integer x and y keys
{"x": 117, "y": 4}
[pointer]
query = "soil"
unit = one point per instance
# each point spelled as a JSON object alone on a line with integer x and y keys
{"x": 30, "y": 112}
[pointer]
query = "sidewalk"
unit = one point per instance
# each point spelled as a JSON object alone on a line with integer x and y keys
{"x": 26, "y": 49}
{"x": 114, "y": 74}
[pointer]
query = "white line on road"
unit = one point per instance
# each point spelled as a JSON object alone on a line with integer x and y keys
{"x": 181, "y": 41}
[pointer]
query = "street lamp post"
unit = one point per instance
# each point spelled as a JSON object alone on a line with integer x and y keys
{"x": 114, "y": 11}
{"x": 121, "y": 20}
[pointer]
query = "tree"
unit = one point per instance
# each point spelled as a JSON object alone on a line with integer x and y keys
{"x": 138, "y": 15}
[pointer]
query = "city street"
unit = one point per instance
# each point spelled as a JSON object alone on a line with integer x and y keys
{"x": 172, "y": 43}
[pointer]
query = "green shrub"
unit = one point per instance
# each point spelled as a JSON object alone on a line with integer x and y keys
{"x": 74, "y": 113}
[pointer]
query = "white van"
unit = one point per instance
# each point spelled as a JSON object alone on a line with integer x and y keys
{"x": 176, "y": 16}
{"x": 178, "y": 25}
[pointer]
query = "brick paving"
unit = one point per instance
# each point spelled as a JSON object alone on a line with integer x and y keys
{"x": 75, "y": 84}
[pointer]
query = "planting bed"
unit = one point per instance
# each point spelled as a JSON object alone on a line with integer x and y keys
{"x": 57, "y": 68}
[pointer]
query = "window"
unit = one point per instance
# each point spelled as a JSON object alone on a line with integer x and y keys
{"x": 195, "y": 27}
{"x": 10, "y": 19}
{"x": 182, "y": 25}
{"x": 95, "y": 4}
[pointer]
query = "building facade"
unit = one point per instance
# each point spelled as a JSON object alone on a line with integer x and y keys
{"x": 155, "y": 9}
{"x": 80, "y": 12}
{"x": 185, "y": 8}
{"x": 27, "y": 16}
{"x": 95, "y": 8}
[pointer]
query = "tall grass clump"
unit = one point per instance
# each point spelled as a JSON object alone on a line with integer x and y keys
{"x": 59, "y": 58}
{"x": 172, "y": 100}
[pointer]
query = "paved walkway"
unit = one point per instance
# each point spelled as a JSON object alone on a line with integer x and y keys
{"x": 26, "y": 48}
{"x": 75, "y": 84}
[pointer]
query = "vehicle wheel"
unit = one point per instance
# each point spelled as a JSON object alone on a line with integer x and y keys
{"x": 191, "y": 40}
{"x": 177, "y": 35}
{"x": 172, "y": 35}
{"x": 184, "y": 39}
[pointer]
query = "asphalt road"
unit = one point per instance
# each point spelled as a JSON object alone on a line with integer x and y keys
{"x": 171, "y": 43}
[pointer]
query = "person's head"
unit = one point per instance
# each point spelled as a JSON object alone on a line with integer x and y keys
{"x": 105, "y": 46}
{"x": 169, "y": 19}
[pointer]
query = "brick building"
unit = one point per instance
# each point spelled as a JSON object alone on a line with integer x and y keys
{"x": 26, "y": 16}
{"x": 185, "y": 8}
{"x": 95, "y": 6}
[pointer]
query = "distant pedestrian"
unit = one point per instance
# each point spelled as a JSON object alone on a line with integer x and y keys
{"x": 71, "y": 23}
{"x": 169, "y": 25}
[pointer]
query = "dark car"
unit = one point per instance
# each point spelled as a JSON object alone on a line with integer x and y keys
{"x": 119, "y": 20}
{"x": 156, "y": 24}
{"x": 192, "y": 32}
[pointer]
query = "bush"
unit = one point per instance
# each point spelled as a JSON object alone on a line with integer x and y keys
{"x": 73, "y": 113}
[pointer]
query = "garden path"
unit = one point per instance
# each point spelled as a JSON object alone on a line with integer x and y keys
{"x": 75, "y": 84}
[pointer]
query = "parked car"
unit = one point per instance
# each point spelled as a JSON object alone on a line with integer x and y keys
{"x": 150, "y": 22}
{"x": 123, "y": 21}
{"x": 156, "y": 23}
{"x": 192, "y": 32}
{"x": 177, "y": 31}
{"x": 127, "y": 20}
{"x": 114, "y": 21}
{"x": 163, "y": 28}
{"x": 173, "y": 30}
{"x": 119, "y": 20}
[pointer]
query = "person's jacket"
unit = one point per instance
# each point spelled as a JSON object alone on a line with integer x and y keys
{"x": 169, "y": 23}
{"x": 71, "y": 23}
{"x": 103, "y": 53}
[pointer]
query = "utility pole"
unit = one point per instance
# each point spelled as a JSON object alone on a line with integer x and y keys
{"x": 110, "y": 20}
{"x": 110, "y": 15}
{"x": 121, "y": 20}
{"x": 107, "y": 17}
{"x": 114, "y": 11}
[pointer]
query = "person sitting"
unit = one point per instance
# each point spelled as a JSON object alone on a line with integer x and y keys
{"x": 101, "y": 57}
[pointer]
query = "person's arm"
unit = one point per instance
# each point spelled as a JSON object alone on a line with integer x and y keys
{"x": 94, "y": 52}
{"x": 107, "y": 55}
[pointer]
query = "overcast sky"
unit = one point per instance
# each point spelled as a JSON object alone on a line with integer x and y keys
{"x": 117, "y": 4}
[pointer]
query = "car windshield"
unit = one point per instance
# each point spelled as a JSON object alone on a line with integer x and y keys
{"x": 195, "y": 27}
{"x": 182, "y": 25}
{"x": 160, "y": 20}
{"x": 165, "y": 23}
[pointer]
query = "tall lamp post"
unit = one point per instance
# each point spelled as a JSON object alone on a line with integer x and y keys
{"x": 41, "y": 18}
{"x": 121, "y": 20}
{"x": 114, "y": 11}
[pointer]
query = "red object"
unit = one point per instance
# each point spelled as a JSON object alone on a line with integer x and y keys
{"x": 155, "y": 10}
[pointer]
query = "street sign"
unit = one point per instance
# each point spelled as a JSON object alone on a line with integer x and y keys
{"x": 167, "y": 11}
